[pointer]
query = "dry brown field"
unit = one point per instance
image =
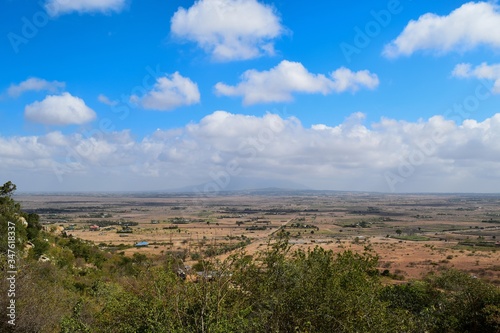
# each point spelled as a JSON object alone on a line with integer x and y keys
{"x": 411, "y": 234}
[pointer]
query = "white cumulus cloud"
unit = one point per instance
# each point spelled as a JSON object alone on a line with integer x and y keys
{"x": 63, "y": 109}
{"x": 483, "y": 71}
{"x": 61, "y": 7}
{"x": 229, "y": 29}
{"x": 471, "y": 25}
{"x": 169, "y": 92}
{"x": 346, "y": 80}
{"x": 433, "y": 155}
{"x": 34, "y": 84}
{"x": 279, "y": 83}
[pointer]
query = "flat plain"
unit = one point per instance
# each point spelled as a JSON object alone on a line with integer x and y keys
{"x": 412, "y": 234}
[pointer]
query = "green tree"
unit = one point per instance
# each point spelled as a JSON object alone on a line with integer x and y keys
{"x": 10, "y": 217}
{"x": 467, "y": 305}
{"x": 317, "y": 291}
{"x": 7, "y": 189}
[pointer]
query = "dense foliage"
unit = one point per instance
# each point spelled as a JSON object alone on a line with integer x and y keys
{"x": 84, "y": 289}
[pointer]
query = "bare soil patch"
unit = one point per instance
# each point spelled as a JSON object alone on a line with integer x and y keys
{"x": 412, "y": 234}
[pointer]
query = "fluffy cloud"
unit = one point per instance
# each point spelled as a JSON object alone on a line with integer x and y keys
{"x": 61, "y": 7}
{"x": 434, "y": 155}
{"x": 229, "y": 29}
{"x": 346, "y": 80}
{"x": 279, "y": 83}
{"x": 62, "y": 109}
{"x": 169, "y": 92}
{"x": 483, "y": 71}
{"x": 34, "y": 84}
{"x": 472, "y": 24}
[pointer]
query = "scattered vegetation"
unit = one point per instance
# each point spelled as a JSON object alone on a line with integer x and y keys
{"x": 411, "y": 237}
{"x": 85, "y": 289}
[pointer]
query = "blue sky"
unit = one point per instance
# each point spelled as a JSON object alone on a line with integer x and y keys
{"x": 391, "y": 96}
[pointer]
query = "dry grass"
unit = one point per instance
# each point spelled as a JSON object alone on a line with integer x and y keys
{"x": 434, "y": 231}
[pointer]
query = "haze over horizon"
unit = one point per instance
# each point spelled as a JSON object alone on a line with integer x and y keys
{"x": 125, "y": 95}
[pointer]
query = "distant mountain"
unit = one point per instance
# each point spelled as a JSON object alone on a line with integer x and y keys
{"x": 236, "y": 184}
